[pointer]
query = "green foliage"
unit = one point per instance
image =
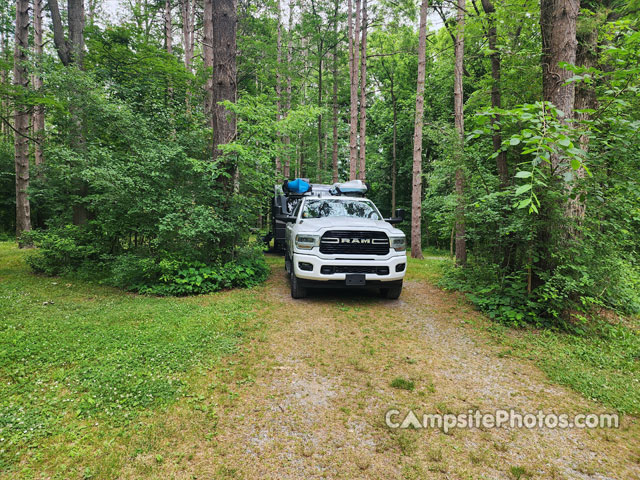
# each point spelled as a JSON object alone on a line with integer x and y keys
{"x": 540, "y": 136}
{"x": 73, "y": 249}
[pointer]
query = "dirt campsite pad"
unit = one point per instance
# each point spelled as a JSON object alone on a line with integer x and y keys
{"x": 307, "y": 397}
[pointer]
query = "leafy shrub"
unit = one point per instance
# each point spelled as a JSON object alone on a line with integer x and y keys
{"x": 67, "y": 250}
{"x": 60, "y": 250}
{"x": 197, "y": 277}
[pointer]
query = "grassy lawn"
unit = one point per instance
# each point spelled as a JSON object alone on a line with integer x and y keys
{"x": 75, "y": 355}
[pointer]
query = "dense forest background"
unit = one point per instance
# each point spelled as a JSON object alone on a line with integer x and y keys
{"x": 143, "y": 153}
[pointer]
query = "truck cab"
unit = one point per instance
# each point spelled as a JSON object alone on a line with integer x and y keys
{"x": 338, "y": 239}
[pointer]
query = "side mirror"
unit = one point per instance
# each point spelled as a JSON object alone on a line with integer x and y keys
{"x": 286, "y": 218}
{"x": 399, "y": 218}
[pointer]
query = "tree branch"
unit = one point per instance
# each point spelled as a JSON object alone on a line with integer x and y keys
{"x": 7, "y": 122}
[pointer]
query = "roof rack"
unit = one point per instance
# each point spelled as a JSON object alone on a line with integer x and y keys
{"x": 302, "y": 187}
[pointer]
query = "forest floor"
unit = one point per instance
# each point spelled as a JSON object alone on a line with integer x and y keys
{"x": 304, "y": 395}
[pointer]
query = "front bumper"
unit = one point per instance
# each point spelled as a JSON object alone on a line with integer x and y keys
{"x": 390, "y": 261}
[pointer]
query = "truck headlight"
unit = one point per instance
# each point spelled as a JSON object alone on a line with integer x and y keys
{"x": 307, "y": 242}
{"x": 399, "y": 244}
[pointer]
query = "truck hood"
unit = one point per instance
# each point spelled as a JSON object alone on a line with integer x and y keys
{"x": 346, "y": 223}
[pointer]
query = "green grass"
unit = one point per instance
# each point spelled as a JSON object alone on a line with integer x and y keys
{"x": 74, "y": 351}
{"x": 603, "y": 363}
{"x": 403, "y": 384}
{"x": 431, "y": 268}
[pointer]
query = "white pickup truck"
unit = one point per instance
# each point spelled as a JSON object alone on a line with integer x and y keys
{"x": 343, "y": 241}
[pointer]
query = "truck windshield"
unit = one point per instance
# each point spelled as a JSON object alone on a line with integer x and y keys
{"x": 340, "y": 208}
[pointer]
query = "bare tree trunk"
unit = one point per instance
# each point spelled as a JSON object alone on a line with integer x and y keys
{"x": 496, "y": 101}
{"x": 416, "y": 192}
{"x": 188, "y": 10}
{"x": 362, "y": 173}
{"x": 353, "y": 75}
{"x": 207, "y": 51}
{"x": 394, "y": 105}
{"x": 458, "y": 100}
{"x": 62, "y": 46}
{"x": 335, "y": 115}
{"x": 320, "y": 151}
{"x": 558, "y": 20}
{"x": 168, "y": 28}
{"x": 278, "y": 86}
{"x": 38, "y": 110}
{"x": 21, "y": 119}
{"x": 75, "y": 12}
{"x": 287, "y": 140}
{"x": 224, "y": 76}
{"x": 3, "y": 79}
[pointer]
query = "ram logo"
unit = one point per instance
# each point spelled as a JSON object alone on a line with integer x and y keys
{"x": 360, "y": 241}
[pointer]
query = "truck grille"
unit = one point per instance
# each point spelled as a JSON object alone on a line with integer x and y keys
{"x": 354, "y": 242}
{"x": 331, "y": 269}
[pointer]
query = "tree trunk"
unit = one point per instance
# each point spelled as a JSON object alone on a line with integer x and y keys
{"x": 585, "y": 98}
{"x": 224, "y": 77}
{"x": 188, "y": 12}
{"x": 38, "y": 110}
{"x": 207, "y": 55}
{"x": 21, "y": 119}
{"x": 320, "y": 151}
{"x": 416, "y": 192}
{"x": 353, "y": 76}
{"x": 62, "y": 46}
{"x": 287, "y": 140}
{"x": 278, "y": 86}
{"x": 558, "y": 27}
{"x": 75, "y": 12}
{"x": 71, "y": 52}
{"x": 362, "y": 174}
{"x": 335, "y": 117}
{"x": 168, "y": 28}
{"x": 394, "y": 105}
{"x": 496, "y": 100}
{"x": 458, "y": 100}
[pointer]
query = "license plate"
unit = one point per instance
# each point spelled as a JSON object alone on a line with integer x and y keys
{"x": 356, "y": 279}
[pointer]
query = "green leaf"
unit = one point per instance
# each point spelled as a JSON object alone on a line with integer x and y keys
{"x": 514, "y": 141}
{"x": 575, "y": 163}
{"x": 524, "y": 174}
{"x": 524, "y": 203}
{"x": 523, "y": 188}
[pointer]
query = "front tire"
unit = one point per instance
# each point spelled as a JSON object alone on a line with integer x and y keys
{"x": 297, "y": 290}
{"x": 288, "y": 265}
{"x": 391, "y": 293}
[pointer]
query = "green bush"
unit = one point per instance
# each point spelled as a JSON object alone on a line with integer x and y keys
{"x": 60, "y": 250}
{"x": 67, "y": 250}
